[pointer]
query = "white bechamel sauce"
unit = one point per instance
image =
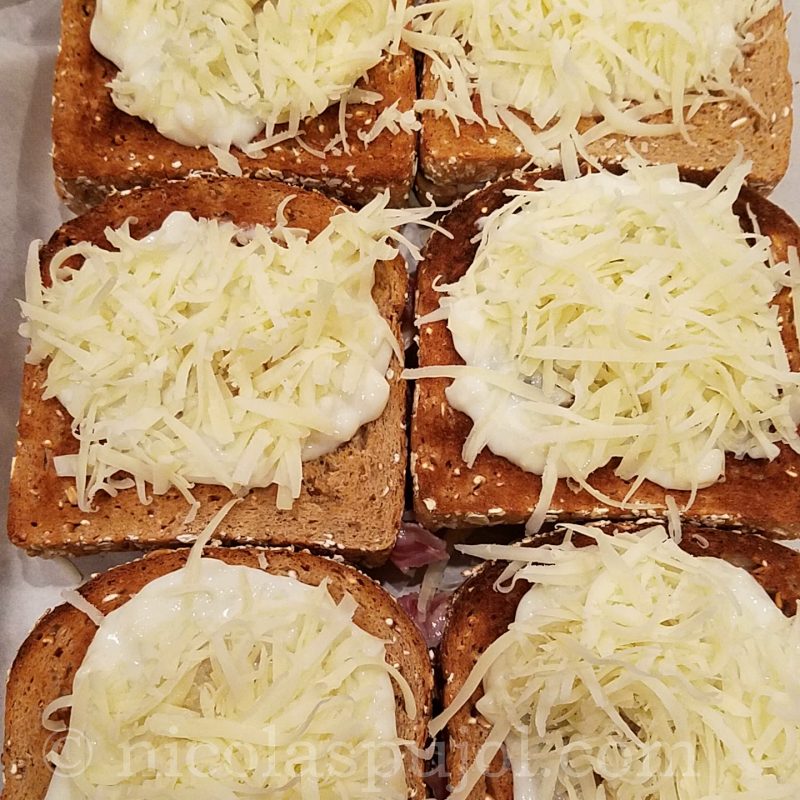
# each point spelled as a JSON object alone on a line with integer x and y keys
{"x": 348, "y": 412}
{"x": 195, "y": 118}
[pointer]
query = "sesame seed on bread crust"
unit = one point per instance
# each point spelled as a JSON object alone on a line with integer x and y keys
{"x": 451, "y": 166}
{"x": 46, "y": 663}
{"x": 351, "y": 500}
{"x": 756, "y": 493}
{"x": 98, "y": 149}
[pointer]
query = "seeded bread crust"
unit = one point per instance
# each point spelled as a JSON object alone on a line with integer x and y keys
{"x": 98, "y": 149}
{"x": 478, "y": 615}
{"x": 452, "y": 166}
{"x": 756, "y": 493}
{"x": 352, "y": 499}
{"x": 46, "y": 663}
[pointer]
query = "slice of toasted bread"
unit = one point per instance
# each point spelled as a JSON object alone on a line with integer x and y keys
{"x": 98, "y": 149}
{"x": 756, "y": 493}
{"x": 351, "y": 499}
{"x": 451, "y": 166}
{"x": 478, "y": 615}
{"x": 46, "y": 663}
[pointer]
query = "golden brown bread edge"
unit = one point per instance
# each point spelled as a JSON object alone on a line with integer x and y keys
{"x": 478, "y": 615}
{"x": 756, "y": 493}
{"x": 351, "y": 500}
{"x": 46, "y": 663}
{"x": 451, "y": 166}
{"x": 98, "y": 148}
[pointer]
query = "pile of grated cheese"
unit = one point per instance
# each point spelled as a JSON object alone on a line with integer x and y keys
{"x": 229, "y": 72}
{"x": 220, "y": 680}
{"x": 208, "y": 353}
{"x": 619, "y": 62}
{"x": 624, "y": 317}
{"x": 636, "y": 671}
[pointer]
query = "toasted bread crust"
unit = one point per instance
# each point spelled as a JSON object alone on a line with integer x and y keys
{"x": 46, "y": 663}
{"x": 478, "y": 615}
{"x": 756, "y": 493}
{"x": 98, "y": 149}
{"x": 352, "y": 499}
{"x": 451, "y": 166}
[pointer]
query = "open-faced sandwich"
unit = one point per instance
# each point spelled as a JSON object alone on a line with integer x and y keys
{"x": 243, "y": 673}
{"x": 625, "y": 666}
{"x": 208, "y": 338}
{"x": 609, "y": 346}
{"x": 688, "y": 82}
{"x": 317, "y": 93}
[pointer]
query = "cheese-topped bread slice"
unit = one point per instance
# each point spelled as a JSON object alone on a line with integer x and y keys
{"x": 317, "y": 94}
{"x": 606, "y": 640}
{"x": 252, "y": 669}
{"x": 609, "y": 346}
{"x": 219, "y": 337}
{"x": 561, "y": 83}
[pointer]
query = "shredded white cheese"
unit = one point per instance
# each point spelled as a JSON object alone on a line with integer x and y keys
{"x": 623, "y": 317}
{"x": 634, "y": 670}
{"x": 227, "y": 681}
{"x": 619, "y": 62}
{"x": 393, "y": 120}
{"x": 230, "y": 71}
{"x": 79, "y": 602}
{"x": 207, "y": 353}
{"x": 430, "y": 584}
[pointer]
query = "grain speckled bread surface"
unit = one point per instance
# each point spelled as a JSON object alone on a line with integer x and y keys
{"x": 46, "y": 663}
{"x": 452, "y": 166}
{"x": 756, "y": 493}
{"x": 351, "y": 500}
{"x": 478, "y": 615}
{"x": 98, "y": 148}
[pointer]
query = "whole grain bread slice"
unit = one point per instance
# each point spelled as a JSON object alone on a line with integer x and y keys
{"x": 756, "y": 493}
{"x": 351, "y": 500}
{"x": 451, "y": 166}
{"x": 98, "y": 149}
{"x": 478, "y": 615}
{"x": 46, "y": 663}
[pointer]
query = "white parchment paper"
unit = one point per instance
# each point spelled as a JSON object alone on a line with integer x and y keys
{"x": 29, "y": 209}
